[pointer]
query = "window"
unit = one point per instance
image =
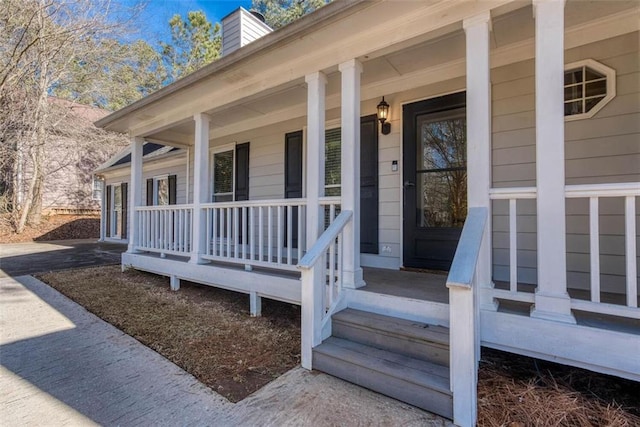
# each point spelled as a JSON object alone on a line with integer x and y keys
{"x": 332, "y": 156}
{"x": 161, "y": 191}
{"x": 116, "y": 219}
{"x": 588, "y": 86}
{"x": 231, "y": 173}
{"x": 441, "y": 170}
{"x": 116, "y": 200}
{"x": 223, "y": 176}
{"x": 96, "y": 193}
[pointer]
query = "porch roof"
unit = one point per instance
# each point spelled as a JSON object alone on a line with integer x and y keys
{"x": 402, "y": 45}
{"x": 150, "y": 150}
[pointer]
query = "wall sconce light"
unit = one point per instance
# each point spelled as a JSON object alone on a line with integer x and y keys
{"x": 383, "y": 115}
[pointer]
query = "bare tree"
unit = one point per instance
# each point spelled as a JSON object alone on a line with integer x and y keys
{"x": 46, "y": 45}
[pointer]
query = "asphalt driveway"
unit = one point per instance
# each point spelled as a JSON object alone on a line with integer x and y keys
{"x": 17, "y": 259}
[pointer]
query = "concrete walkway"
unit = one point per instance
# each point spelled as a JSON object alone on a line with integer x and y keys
{"x": 17, "y": 259}
{"x": 61, "y": 365}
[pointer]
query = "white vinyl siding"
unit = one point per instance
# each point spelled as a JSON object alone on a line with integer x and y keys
{"x": 239, "y": 29}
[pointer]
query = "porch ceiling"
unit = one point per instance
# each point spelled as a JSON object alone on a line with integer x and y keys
{"x": 407, "y": 64}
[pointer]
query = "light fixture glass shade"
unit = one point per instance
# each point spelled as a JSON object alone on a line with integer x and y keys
{"x": 383, "y": 111}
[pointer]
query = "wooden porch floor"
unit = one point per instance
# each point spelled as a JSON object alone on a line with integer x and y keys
{"x": 407, "y": 284}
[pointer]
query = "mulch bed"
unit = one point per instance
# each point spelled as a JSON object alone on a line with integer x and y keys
{"x": 55, "y": 227}
{"x": 209, "y": 333}
{"x": 206, "y": 331}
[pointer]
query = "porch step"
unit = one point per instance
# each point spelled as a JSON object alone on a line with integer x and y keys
{"x": 413, "y": 339}
{"x": 417, "y": 382}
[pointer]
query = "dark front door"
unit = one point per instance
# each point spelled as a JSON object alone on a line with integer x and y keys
{"x": 434, "y": 180}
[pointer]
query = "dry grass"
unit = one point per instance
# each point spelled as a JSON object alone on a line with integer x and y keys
{"x": 519, "y": 391}
{"x": 209, "y": 333}
{"x": 206, "y": 331}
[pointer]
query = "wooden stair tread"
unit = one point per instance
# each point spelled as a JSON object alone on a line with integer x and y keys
{"x": 406, "y": 368}
{"x": 394, "y": 326}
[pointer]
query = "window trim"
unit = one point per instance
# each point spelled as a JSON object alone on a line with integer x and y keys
{"x": 610, "y": 75}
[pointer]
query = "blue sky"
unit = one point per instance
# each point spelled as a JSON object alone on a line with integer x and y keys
{"x": 153, "y": 23}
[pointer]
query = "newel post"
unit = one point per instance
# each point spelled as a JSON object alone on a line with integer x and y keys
{"x": 135, "y": 192}
{"x": 463, "y": 355}
{"x": 312, "y": 307}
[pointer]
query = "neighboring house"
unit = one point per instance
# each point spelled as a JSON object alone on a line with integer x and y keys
{"x": 520, "y": 120}
{"x": 73, "y": 149}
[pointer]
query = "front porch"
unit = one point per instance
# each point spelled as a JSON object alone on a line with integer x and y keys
{"x": 549, "y": 243}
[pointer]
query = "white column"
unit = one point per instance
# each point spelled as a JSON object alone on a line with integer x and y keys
{"x": 350, "y": 166}
{"x": 135, "y": 191}
{"x": 103, "y": 210}
{"x": 316, "y": 86}
{"x": 200, "y": 186}
{"x": 313, "y": 281}
{"x": 551, "y": 301}
{"x": 477, "y": 31}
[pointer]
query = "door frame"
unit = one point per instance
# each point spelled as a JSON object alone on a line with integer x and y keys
{"x": 402, "y": 104}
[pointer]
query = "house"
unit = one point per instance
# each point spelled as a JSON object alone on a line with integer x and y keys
{"x": 339, "y": 162}
{"x": 74, "y": 148}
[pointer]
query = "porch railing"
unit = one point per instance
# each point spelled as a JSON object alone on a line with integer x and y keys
{"x": 165, "y": 229}
{"x": 594, "y": 193}
{"x": 260, "y": 233}
{"x": 464, "y": 319}
{"x": 322, "y": 278}
{"x": 513, "y": 195}
{"x": 268, "y": 233}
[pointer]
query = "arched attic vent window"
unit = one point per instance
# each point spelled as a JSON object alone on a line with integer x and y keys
{"x": 588, "y": 86}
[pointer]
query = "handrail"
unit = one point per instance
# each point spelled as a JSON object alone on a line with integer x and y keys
{"x": 325, "y": 240}
{"x": 162, "y": 207}
{"x": 329, "y": 200}
{"x": 619, "y": 189}
{"x": 256, "y": 203}
{"x": 464, "y": 262}
{"x": 513, "y": 193}
{"x": 321, "y": 294}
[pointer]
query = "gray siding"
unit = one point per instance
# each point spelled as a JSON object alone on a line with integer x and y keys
{"x": 602, "y": 149}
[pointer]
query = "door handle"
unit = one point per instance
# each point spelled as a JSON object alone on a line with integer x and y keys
{"x": 409, "y": 184}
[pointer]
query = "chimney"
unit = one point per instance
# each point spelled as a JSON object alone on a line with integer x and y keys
{"x": 240, "y": 28}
